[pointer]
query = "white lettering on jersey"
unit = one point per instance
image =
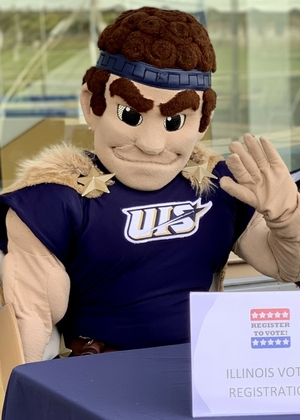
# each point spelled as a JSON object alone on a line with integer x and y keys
{"x": 164, "y": 221}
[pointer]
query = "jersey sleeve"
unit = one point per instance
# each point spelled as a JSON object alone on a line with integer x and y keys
{"x": 243, "y": 212}
{"x": 52, "y": 212}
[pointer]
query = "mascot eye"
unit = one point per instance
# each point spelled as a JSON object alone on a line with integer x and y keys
{"x": 129, "y": 116}
{"x": 174, "y": 123}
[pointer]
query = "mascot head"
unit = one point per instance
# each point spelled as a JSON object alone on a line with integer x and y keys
{"x": 149, "y": 97}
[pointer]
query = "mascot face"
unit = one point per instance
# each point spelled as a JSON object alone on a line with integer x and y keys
{"x": 148, "y": 144}
{"x": 149, "y": 97}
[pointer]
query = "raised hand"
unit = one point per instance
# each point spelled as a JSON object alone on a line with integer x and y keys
{"x": 263, "y": 180}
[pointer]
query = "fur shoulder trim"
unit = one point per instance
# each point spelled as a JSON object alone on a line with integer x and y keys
{"x": 63, "y": 164}
{"x": 59, "y": 164}
{"x": 200, "y": 155}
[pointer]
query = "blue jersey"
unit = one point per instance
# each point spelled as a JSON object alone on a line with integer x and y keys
{"x": 133, "y": 257}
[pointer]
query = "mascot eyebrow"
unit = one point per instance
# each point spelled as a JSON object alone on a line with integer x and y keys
{"x": 127, "y": 90}
{"x": 183, "y": 100}
{"x": 132, "y": 96}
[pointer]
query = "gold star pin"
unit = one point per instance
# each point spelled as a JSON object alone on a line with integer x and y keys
{"x": 198, "y": 171}
{"x": 94, "y": 181}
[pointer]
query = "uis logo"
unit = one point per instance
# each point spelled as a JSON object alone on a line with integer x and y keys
{"x": 269, "y": 328}
{"x": 164, "y": 221}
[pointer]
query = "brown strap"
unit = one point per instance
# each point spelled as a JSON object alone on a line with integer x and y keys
{"x": 85, "y": 347}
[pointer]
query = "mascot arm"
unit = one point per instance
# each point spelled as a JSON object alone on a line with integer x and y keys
{"x": 36, "y": 284}
{"x": 271, "y": 242}
{"x": 273, "y": 252}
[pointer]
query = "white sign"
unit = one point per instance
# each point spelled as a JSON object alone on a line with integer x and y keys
{"x": 245, "y": 353}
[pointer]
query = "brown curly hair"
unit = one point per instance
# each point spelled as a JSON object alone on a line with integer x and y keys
{"x": 162, "y": 38}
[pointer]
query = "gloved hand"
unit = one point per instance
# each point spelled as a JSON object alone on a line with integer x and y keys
{"x": 264, "y": 181}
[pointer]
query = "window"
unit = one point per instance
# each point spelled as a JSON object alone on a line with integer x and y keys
{"x": 46, "y": 47}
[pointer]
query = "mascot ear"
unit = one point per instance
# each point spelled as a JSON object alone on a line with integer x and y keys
{"x": 85, "y": 101}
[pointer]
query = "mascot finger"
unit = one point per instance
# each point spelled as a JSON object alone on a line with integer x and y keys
{"x": 238, "y": 169}
{"x": 238, "y": 191}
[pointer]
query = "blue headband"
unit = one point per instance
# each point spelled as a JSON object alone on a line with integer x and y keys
{"x": 140, "y": 72}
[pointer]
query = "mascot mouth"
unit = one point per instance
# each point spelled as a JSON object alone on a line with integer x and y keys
{"x": 131, "y": 153}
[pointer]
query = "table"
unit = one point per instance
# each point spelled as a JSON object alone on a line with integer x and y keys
{"x": 147, "y": 384}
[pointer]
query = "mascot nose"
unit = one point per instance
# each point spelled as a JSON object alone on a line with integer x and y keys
{"x": 151, "y": 145}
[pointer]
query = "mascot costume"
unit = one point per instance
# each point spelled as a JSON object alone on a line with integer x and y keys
{"x": 103, "y": 247}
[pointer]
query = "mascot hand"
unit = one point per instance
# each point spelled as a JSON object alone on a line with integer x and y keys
{"x": 264, "y": 181}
